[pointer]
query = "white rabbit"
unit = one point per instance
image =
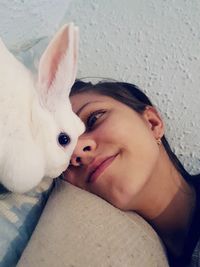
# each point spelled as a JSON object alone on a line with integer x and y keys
{"x": 38, "y": 129}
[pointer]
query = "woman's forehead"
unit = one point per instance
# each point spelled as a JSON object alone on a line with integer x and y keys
{"x": 81, "y": 99}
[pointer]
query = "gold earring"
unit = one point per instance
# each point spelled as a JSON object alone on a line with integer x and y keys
{"x": 159, "y": 142}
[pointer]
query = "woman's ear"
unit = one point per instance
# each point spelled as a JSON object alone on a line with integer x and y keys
{"x": 154, "y": 121}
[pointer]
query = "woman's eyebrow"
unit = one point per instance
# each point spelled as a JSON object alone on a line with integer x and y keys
{"x": 86, "y": 104}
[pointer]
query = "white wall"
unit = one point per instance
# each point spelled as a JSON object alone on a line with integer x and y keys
{"x": 24, "y": 22}
{"x": 152, "y": 43}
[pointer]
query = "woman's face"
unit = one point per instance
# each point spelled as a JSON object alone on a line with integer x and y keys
{"x": 117, "y": 154}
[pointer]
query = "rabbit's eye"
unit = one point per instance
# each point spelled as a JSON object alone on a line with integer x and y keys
{"x": 63, "y": 139}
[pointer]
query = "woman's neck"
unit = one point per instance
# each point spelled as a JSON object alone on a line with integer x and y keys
{"x": 174, "y": 222}
{"x": 168, "y": 204}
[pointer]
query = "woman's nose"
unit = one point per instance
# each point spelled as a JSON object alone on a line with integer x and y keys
{"x": 83, "y": 152}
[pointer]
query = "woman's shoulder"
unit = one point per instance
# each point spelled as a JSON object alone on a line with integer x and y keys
{"x": 195, "y": 258}
{"x": 193, "y": 241}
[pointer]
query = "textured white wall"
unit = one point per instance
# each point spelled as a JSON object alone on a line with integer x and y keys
{"x": 25, "y": 22}
{"x": 152, "y": 43}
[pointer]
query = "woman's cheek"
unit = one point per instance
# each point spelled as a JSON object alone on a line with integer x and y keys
{"x": 69, "y": 177}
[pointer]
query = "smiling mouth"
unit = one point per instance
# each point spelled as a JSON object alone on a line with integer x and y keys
{"x": 100, "y": 169}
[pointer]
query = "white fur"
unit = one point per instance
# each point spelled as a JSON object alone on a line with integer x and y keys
{"x": 33, "y": 113}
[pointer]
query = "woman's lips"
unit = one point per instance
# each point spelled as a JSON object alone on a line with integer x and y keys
{"x": 95, "y": 174}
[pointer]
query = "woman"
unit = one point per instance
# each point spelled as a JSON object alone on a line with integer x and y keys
{"x": 124, "y": 157}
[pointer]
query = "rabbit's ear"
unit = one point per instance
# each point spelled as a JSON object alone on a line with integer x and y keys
{"x": 58, "y": 64}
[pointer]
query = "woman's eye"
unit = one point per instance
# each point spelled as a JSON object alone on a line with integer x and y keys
{"x": 93, "y": 118}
